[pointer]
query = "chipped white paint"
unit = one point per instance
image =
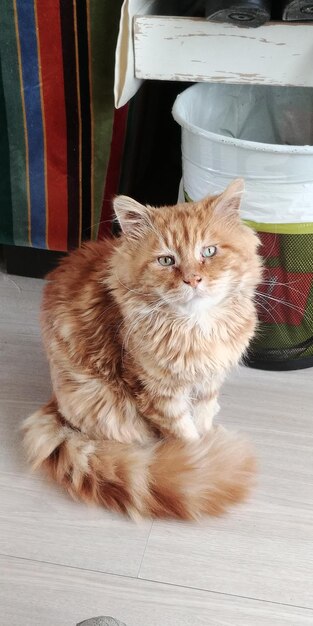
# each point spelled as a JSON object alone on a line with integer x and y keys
{"x": 196, "y": 50}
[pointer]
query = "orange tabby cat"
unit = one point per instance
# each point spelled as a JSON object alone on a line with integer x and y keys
{"x": 140, "y": 332}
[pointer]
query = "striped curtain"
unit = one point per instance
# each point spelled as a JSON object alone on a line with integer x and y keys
{"x": 56, "y": 114}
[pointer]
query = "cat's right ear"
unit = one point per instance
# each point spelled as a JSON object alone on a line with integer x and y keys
{"x": 131, "y": 215}
{"x": 228, "y": 202}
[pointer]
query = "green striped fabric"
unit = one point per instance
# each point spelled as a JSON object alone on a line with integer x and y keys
{"x": 56, "y": 115}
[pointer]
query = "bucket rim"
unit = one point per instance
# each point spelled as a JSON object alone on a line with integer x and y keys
{"x": 273, "y": 148}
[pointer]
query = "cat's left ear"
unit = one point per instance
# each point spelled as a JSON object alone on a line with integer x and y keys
{"x": 228, "y": 203}
{"x": 132, "y": 215}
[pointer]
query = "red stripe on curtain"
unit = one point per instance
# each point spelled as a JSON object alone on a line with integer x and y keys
{"x": 48, "y": 14}
{"x": 114, "y": 170}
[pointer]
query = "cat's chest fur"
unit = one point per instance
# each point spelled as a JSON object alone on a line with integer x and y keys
{"x": 186, "y": 351}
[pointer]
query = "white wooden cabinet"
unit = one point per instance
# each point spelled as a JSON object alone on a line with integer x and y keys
{"x": 194, "y": 49}
{"x": 191, "y": 49}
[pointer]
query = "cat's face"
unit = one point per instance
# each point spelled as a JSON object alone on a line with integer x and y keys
{"x": 191, "y": 256}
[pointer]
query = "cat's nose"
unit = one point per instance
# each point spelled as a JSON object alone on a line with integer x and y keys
{"x": 193, "y": 281}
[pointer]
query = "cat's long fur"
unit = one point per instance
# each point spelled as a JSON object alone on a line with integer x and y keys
{"x": 137, "y": 353}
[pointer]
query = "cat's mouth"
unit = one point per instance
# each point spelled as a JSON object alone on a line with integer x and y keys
{"x": 205, "y": 298}
{"x": 200, "y": 292}
{"x": 198, "y": 298}
{"x": 197, "y": 295}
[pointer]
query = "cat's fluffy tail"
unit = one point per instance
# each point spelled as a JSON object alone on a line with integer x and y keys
{"x": 167, "y": 479}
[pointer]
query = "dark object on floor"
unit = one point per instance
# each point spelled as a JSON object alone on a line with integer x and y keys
{"x": 248, "y": 13}
{"x": 101, "y": 621}
{"x": 297, "y": 10}
{"x": 30, "y": 261}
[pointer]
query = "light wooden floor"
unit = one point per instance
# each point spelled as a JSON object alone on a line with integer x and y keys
{"x": 62, "y": 562}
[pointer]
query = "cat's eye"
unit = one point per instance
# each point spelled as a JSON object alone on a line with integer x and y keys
{"x": 166, "y": 261}
{"x": 208, "y": 251}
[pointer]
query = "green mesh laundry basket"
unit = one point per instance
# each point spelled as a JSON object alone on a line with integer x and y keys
{"x": 284, "y": 339}
{"x": 285, "y": 301}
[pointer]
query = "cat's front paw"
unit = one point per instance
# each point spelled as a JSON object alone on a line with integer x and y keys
{"x": 192, "y": 436}
{"x": 187, "y": 430}
{"x": 204, "y": 415}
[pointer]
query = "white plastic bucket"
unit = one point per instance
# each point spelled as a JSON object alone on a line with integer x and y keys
{"x": 261, "y": 133}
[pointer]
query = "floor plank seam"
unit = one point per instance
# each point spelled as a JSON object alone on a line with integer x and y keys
{"x": 159, "y": 582}
{"x": 144, "y": 551}
{"x": 229, "y": 595}
{"x": 73, "y": 567}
